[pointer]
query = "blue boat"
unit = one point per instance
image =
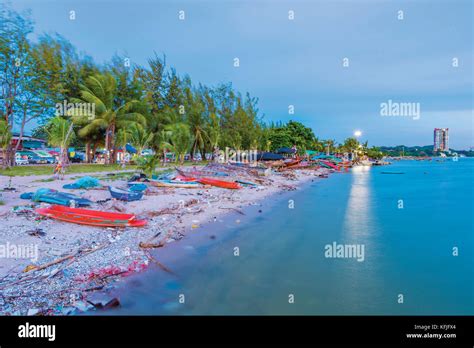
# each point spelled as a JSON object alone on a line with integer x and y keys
{"x": 137, "y": 186}
{"x": 125, "y": 195}
{"x": 55, "y": 197}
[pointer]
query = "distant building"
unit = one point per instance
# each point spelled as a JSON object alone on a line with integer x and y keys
{"x": 441, "y": 139}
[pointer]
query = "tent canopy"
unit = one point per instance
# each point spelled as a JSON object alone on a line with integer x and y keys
{"x": 269, "y": 156}
{"x": 285, "y": 150}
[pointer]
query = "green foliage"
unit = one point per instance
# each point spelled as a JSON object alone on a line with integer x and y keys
{"x": 148, "y": 164}
{"x": 5, "y": 134}
{"x": 292, "y": 133}
{"x": 59, "y": 132}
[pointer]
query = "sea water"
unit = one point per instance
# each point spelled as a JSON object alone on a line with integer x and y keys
{"x": 415, "y": 228}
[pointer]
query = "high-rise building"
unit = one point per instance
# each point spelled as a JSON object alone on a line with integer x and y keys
{"x": 441, "y": 139}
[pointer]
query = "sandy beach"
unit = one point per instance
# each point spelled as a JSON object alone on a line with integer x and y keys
{"x": 75, "y": 264}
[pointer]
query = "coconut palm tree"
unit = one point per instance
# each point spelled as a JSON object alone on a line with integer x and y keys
{"x": 140, "y": 137}
{"x": 60, "y": 133}
{"x": 329, "y": 146}
{"x": 180, "y": 139}
{"x": 100, "y": 90}
{"x": 162, "y": 142}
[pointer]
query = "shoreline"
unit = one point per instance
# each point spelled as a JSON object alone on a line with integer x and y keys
{"x": 98, "y": 258}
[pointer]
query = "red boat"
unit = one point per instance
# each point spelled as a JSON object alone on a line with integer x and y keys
{"x": 91, "y": 217}
{"x": 209, "y": 181}
{"x": 219, "y": 183}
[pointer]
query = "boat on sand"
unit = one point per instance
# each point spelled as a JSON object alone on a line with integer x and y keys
{"x": 91, "y": 217}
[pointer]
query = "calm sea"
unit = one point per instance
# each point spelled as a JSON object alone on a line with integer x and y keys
{"x": 416, "y": 230}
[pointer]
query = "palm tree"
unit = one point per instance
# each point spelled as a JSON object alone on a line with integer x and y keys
{"x": 180, "y": 137}
{"x": 351, "y": 145}
{"x": 140, "y": 137}
{"x": 162, "y": 142}
{"x": 329, "y": 145}
{"x": 60, "y": 133}
{"x": 100, "y": 90}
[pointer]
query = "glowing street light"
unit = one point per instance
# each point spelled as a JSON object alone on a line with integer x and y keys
{"x": 357, "y": 133}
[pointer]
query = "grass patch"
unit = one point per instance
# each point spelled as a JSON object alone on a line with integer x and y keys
{"x": 45, "y": 180}
{"x": 72, "y": 169}
{"x": 81, "y": 168}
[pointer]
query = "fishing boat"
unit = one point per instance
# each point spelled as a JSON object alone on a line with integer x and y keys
{"x": 137, "y": 186}
{"x": 329, "y": 164}
{"x": 200, "y": 172}
{"x": 125, "y": 195}
{"x": 175, "y": 183}
{"x": 219, "y": 183}
{"x": 246, "y": 183}
{"x": 55, "y": 197}
{"x": 91, "y": 217}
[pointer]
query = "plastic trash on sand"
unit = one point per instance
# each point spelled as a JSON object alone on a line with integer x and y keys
{"x": 85, "y": 182}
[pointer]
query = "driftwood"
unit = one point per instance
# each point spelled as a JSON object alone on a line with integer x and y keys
{"x": 159, "y": 264}
{"x": 48, "y": 264}
{"x": 152, "y": 245}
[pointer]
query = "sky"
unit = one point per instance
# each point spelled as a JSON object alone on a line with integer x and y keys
{"x": 299, "y": 62}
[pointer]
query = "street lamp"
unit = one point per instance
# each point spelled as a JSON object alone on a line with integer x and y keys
{"x": 357, "y": 133}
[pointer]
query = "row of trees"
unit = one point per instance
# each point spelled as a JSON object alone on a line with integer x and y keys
{"x": 148, "y": 107}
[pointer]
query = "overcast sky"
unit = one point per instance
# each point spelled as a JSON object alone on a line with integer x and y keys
{"x": 300, "y": 62}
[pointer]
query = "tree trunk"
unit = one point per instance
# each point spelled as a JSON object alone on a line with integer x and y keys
{"x": 88, "y": 152}
{"x": 107, "y": 144}
{"x": 94, "y": 149}
{"x": 113, "y": 158}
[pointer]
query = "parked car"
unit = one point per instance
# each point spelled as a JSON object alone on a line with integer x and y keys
{"x": 33, "y": 158}
{"x": 20, "y": 160}
{"x": 45, "y": 155}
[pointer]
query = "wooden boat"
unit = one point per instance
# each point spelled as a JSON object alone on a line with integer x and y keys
{"x": 330, "y": 165}
{"x": 219, "y": 183}
{"x": 292, "y": 162}
{"x": 246, "y": 183}
{"x": 200, "y": 173}
{"x": 175, "y": 183}
{"x": 125, "y": 195}
{"x": 209, "y": 181}
{"x": 91, "y": 217}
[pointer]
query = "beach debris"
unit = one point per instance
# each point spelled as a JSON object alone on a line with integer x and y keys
{"x": 32, "y": 311}
{"x": 145, "y": 245}
{"x": 86, "y": 182}
{"x": 159, "y": 264}
{"x": 37, "y": 232}
{"x": 138, "y": 177}
{"x": 114, "y": 302}
{"x": 24, "y": 210}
